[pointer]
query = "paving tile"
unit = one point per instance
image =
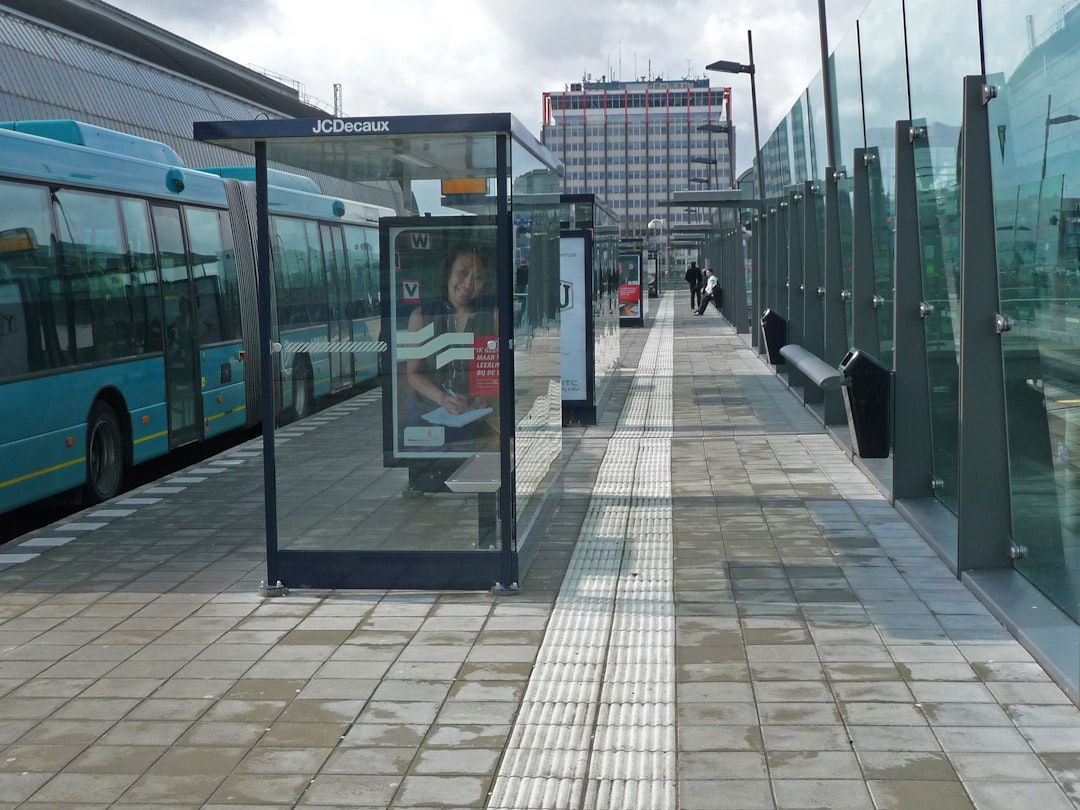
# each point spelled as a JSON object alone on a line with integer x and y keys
{"x": 720, "y": 794}
{"x": 366, "y": 761}
{"x": 261, "y": 788}
{"x": 1019, "y": 794}
{"x": 1052, "y": 739}
{"x": 998, "y": 767}
{"x": 805, "y": 738}
{"x": 811, "y": 764}
{"x": 71, "y": 788}
{"x": 907, "y": 766}
{"x": 902, "y": 795}
{"x": 835, "y": 794}
{"x": 981, "y": 739}
{"x": 484, "y": 736}
{"x": 457, "y": 792}
{"x": 185, "y": 760}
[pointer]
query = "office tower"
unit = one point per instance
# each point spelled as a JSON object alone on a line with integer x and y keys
{"x": 634, "y": 143}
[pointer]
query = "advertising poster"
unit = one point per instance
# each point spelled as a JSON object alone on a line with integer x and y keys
{"x": 630, "y": 286}
{"x": 574, "y": 300}
{"x": 441, "y": 396}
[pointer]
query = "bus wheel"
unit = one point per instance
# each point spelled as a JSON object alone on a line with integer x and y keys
{"x": 104, "y": 454}
{"x": 303, "y": 390}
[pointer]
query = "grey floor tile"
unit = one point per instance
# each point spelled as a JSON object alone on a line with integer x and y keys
{"x": 901, "y": 795}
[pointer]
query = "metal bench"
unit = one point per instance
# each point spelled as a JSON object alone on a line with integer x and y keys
{"x": 816, "y": 370}
{"x": 481, "y": 474}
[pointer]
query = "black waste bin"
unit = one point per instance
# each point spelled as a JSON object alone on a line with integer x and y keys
{"x": 774, "y": 333}
{"x": 866, "y": 399}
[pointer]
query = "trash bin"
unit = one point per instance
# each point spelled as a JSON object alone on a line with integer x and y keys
{"x": 774, "y": 333}
{"x": 866, "y": 400}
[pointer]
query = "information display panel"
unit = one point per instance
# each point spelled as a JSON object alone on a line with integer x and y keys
{"x": 631, "y": 303}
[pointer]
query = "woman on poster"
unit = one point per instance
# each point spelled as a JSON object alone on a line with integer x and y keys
{"x": 448, "y": 395}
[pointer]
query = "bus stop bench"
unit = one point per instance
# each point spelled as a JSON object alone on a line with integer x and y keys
{"x": 481, "y": 474}
{"x": 816, "y": 370}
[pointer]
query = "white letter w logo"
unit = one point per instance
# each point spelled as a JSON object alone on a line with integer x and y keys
{"x": 419, "y": 241}
{"x": 445, "y": 348}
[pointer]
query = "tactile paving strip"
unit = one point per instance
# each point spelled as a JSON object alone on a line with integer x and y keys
{"x": 608, "y": 742}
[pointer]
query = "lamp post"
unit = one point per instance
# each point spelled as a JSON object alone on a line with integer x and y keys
{"x": 722, "y": 66}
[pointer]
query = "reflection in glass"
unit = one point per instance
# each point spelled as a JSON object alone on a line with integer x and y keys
{"x": 1035, "y": 158}
{"x": 938, "y": 196}
{"x": 537, "y": 441}
{"x": 885, "y": 101}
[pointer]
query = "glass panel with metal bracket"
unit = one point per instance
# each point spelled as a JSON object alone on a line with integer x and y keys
{"x": 1033, "y": 53}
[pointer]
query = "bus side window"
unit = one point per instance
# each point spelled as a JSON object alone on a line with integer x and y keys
{"x": 94, "y": 275}
{"x": 143, "y": 291}
{"x": 208, "y": 268}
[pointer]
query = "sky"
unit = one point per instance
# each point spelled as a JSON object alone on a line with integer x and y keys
{"x": 411, "y": 57}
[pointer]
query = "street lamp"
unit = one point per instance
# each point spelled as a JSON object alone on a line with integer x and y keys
{"x": 723, "y": 66}
{"x": 1057, "y": 119}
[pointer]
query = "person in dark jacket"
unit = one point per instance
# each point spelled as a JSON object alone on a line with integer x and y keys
{"x": 694, "y": 279}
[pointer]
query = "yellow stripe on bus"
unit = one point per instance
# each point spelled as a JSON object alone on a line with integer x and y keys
{"x": 39, "y": 473}
{"x": 152, "y": 436}
{"x": 224, "y": 414}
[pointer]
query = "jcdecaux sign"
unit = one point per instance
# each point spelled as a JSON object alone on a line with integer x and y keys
{"x": 335, "y": 126}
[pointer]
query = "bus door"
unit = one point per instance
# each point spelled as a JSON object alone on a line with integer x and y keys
{"x": 183, "y": 378}
{"x": 340, "y": 309}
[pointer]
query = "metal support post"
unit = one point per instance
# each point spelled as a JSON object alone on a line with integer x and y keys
{"x": 835, "y": 323}
{"x": 795, "y": 280}
{"x": 272, "y": 586}
{"x": 864, "y": 324}
{"x": 738, "y": 286}
{"x": 755, "y": 280}
{"x": 912, "y": 454}
{"x": 761, "y": 289}
{"x": 781, "y": 254}
{"x": 813, "y": 320}
{"x": 984, "y": 516}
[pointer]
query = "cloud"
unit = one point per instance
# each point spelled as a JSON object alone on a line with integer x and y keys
{"x": 434, "y": 56}
{"x": 210, "y": 15}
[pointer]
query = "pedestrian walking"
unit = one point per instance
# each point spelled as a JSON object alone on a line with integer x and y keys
{"x": 712, "y": 292}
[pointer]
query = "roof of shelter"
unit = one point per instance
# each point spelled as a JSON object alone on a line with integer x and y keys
{"x": 382, "y": 147}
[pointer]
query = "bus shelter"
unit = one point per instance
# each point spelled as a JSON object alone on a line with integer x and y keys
{"x": 581, "y": 236}
{"x": 441, "y": 476}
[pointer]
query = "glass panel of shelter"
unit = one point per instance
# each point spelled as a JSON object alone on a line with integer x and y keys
{"x": 537, "y": 353}
{"x": 355, "y": 473}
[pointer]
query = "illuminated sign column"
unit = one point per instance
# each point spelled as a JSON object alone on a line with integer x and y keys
{"x": 578, "y": 328}
{"x": 631, "y": 302}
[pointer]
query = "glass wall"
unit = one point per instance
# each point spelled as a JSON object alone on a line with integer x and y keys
{"x": 885, "y": 101}
{"x": 1033, "y": 52}
{"x": 905, "y": 60}
{"x": 537, "y": 354}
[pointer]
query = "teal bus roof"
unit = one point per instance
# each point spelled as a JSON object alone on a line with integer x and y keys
{"x": 33, "y": 157}
{"x": 296, "y": 182}
{"x": 107, "y": 140}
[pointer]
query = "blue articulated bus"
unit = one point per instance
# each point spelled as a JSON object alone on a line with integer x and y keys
{"x": 128, "y": 304}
